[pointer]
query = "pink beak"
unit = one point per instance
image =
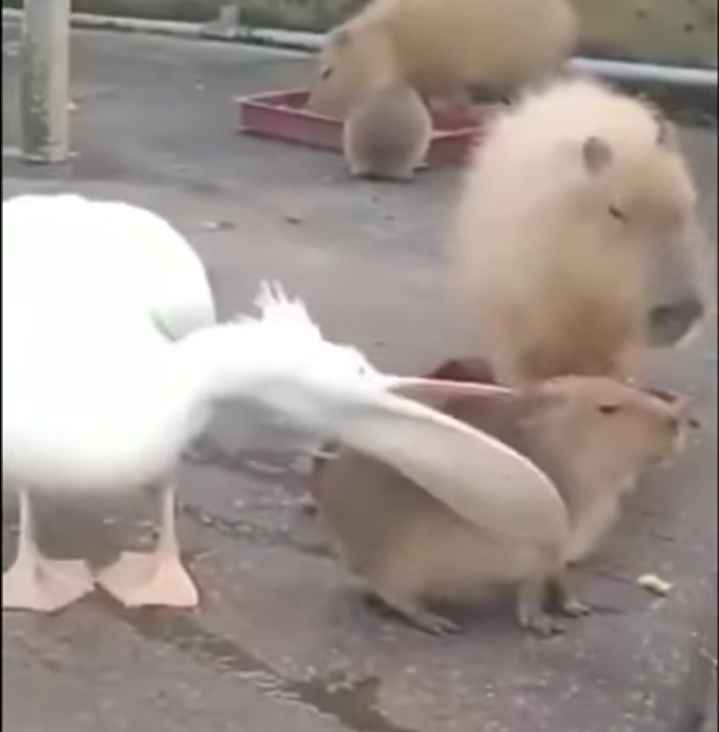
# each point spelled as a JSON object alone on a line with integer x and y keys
{"x": 436, "y": 390}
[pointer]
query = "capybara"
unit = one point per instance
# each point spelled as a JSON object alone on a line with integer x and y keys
{"x": 576, "y": 237}
{"x": 591, "y": 436}
{"x": 387, "y": 134}
{"x": 441, "y": 47}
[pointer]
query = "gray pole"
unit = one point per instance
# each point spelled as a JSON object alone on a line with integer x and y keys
{"x": 45, "y": 81}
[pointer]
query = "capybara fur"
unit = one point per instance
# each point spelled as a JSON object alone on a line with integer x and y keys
{"x": 387, "y": 134}
{"x": 441, "y": 47}
{"x": 576, "y": 237}
{"x": 591, "y": 436}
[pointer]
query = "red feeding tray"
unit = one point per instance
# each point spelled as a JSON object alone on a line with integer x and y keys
{"x": 282, "y": 115}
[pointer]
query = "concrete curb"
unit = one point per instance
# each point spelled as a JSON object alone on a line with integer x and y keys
{"x": 696, "y": 78}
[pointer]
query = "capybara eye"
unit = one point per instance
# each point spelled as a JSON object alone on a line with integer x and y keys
{"x": 608, "y": 408}
{"x": 617, "y": 213}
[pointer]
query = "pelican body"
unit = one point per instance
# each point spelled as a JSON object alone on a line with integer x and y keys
{"x": 113, "y": 362}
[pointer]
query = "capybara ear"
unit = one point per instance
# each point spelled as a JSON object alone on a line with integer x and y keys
{"x": 597, "y": 154}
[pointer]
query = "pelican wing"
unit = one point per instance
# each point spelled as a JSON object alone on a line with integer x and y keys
{"x": 480, "y": 478}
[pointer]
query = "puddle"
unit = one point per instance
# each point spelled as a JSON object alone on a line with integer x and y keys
{"x": 352, "y": 702}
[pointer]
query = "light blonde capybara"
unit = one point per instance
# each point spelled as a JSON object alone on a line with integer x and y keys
{"x": 441, "y": 47}
{"x": 592, "y": 436}
{"x": 386, "y": 135}
{"x": 576, "y": 237}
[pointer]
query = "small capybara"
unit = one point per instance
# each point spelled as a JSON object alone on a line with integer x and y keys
{"x": 387, "y": 134}
{"x": 441, "y": 47}
{"x": 575, "y": 244}
{"x": 592, "y": 436}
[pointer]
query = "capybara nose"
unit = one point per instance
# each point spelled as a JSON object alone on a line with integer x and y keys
{"x": 669, "y": 323}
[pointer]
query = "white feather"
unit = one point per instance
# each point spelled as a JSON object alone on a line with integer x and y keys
{"x": 98, "y": 398}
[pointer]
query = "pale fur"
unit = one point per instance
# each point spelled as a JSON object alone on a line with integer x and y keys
{"x": 554, "y": 283}
{"x": 410, "y": 547}
{"x": 442, "y": 46}
{"x": 387, "y": 134}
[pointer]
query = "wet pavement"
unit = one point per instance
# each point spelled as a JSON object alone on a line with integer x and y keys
{"x": 282, "y": 640}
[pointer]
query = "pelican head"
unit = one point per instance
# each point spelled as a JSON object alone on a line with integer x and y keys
{"x": 304, "y": 375}
{"x": 316, "y": 383}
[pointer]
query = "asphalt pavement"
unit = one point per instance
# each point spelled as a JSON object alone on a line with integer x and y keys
{"x": 282, "y": 641}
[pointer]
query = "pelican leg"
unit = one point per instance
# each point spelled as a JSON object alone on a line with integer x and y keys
{"x": 158, "y": 578}
{"x": 35, "y": 582}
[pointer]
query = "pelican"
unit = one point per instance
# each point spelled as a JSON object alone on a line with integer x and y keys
{"x": 113, "y": 360}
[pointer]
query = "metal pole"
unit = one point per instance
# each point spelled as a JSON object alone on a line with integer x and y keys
{"x": 45, "y": 81}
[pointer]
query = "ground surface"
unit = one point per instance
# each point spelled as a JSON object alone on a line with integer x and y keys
{"x": 282, "y": 641}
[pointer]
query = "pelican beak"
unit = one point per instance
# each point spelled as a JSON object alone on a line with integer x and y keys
{"x": 433, "y": 391}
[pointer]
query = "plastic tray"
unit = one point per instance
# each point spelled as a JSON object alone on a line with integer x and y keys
{"x": 282, "y": 115}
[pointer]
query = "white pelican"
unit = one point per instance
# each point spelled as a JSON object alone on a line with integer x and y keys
{"x": 112, "y": 362}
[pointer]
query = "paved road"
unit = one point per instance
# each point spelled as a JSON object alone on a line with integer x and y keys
{"x": 282, "y": 641}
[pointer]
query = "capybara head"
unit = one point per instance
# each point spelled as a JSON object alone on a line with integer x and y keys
{"x": 640, "y": 191}
{"x": 604, "y": 425}
{"x": 643, "y": 196}
{"x": 354, "y": 60}
{"x": 579, "y": 215}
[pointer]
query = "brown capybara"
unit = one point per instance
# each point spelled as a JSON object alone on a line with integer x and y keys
{"x": 576, "y": 238}
{"x": 592, "y": 436}
{"x": 441, "y": 47}
{"x": 386, "y": 135}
